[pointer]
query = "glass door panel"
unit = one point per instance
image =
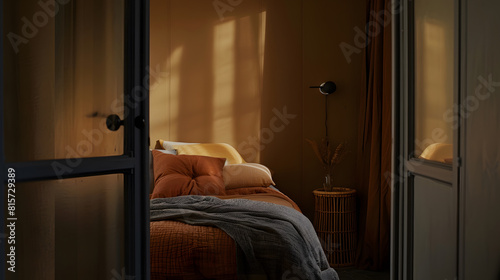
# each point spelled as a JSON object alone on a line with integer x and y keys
{"x": 63, "y": 75}
{"x": 68, "y": 229}
{"x": 434, "y": 56}
{"x": 67, "y": 66}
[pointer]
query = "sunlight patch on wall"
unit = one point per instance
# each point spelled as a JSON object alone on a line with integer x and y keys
{"x": 262, "y": 41}
{"x": 175, "y": 83}
{"x": 432, "y": 85}
{"x": 434, "y": 73}
{"x": 224, "y": 81}
{"x": 159, "y": 102}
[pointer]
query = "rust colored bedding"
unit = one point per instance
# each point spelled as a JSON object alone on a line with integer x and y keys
{"x": 182, "y": 251}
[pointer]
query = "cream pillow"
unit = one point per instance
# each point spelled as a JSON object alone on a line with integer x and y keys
{"x": 438, "y": 152}
{"x": 219, "y": 150}
{"x": 246, "y": 175}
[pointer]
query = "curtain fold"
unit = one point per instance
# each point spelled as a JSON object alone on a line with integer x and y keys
{"x": 374, "y": 144}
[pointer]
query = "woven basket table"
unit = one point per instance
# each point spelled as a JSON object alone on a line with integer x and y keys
{"x": 335, "y": 223}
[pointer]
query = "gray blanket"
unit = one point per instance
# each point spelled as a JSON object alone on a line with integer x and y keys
{"x": 273, "y": 241}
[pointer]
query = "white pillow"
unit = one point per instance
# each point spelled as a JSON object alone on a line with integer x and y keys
{"x": 169, "y": 145}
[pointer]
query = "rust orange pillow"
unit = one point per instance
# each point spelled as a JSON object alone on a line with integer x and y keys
{"x": 176, "y": 175}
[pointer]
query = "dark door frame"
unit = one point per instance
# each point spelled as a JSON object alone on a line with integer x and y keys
{"x": 405, "y": 166}
{"x": 134, "y": 163}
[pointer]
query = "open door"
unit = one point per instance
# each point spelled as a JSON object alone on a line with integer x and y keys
{"x": 425, "y": 218}
{"x": 74, "y": 139}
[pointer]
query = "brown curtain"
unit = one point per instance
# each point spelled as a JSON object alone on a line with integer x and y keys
{"x": 374, "y": 144}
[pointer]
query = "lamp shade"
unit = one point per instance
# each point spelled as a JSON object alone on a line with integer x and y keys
{"x": 327, "y": 88}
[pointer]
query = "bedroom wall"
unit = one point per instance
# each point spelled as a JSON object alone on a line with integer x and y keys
{"x": 205, "y": 76}
{"x": 241, "y": 74}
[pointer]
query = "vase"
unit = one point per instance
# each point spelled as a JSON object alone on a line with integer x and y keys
{"x": 328, "y": 183}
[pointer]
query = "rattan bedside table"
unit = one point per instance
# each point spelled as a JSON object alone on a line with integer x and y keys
{"x": 336, "y": 224}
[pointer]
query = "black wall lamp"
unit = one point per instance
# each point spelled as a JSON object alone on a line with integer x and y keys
{"x": 326, "y": 89}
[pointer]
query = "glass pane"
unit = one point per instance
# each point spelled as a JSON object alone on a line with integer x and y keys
{"x": 68, "y": 229}
{"x": 434, "y": 79}
{"x": 63, "y": 74}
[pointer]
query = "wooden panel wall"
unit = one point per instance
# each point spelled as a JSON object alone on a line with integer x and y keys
{"x": 280, "y": 48}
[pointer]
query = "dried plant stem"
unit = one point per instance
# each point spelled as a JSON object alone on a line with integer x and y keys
{"x": 329, "y": 157}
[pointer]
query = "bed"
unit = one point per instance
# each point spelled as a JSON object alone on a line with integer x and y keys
{"x": 190, "y": 240}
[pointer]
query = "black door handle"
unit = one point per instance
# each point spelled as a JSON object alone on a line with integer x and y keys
{"x": 113, "y": 122}
{"x": 140, "y": 122}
